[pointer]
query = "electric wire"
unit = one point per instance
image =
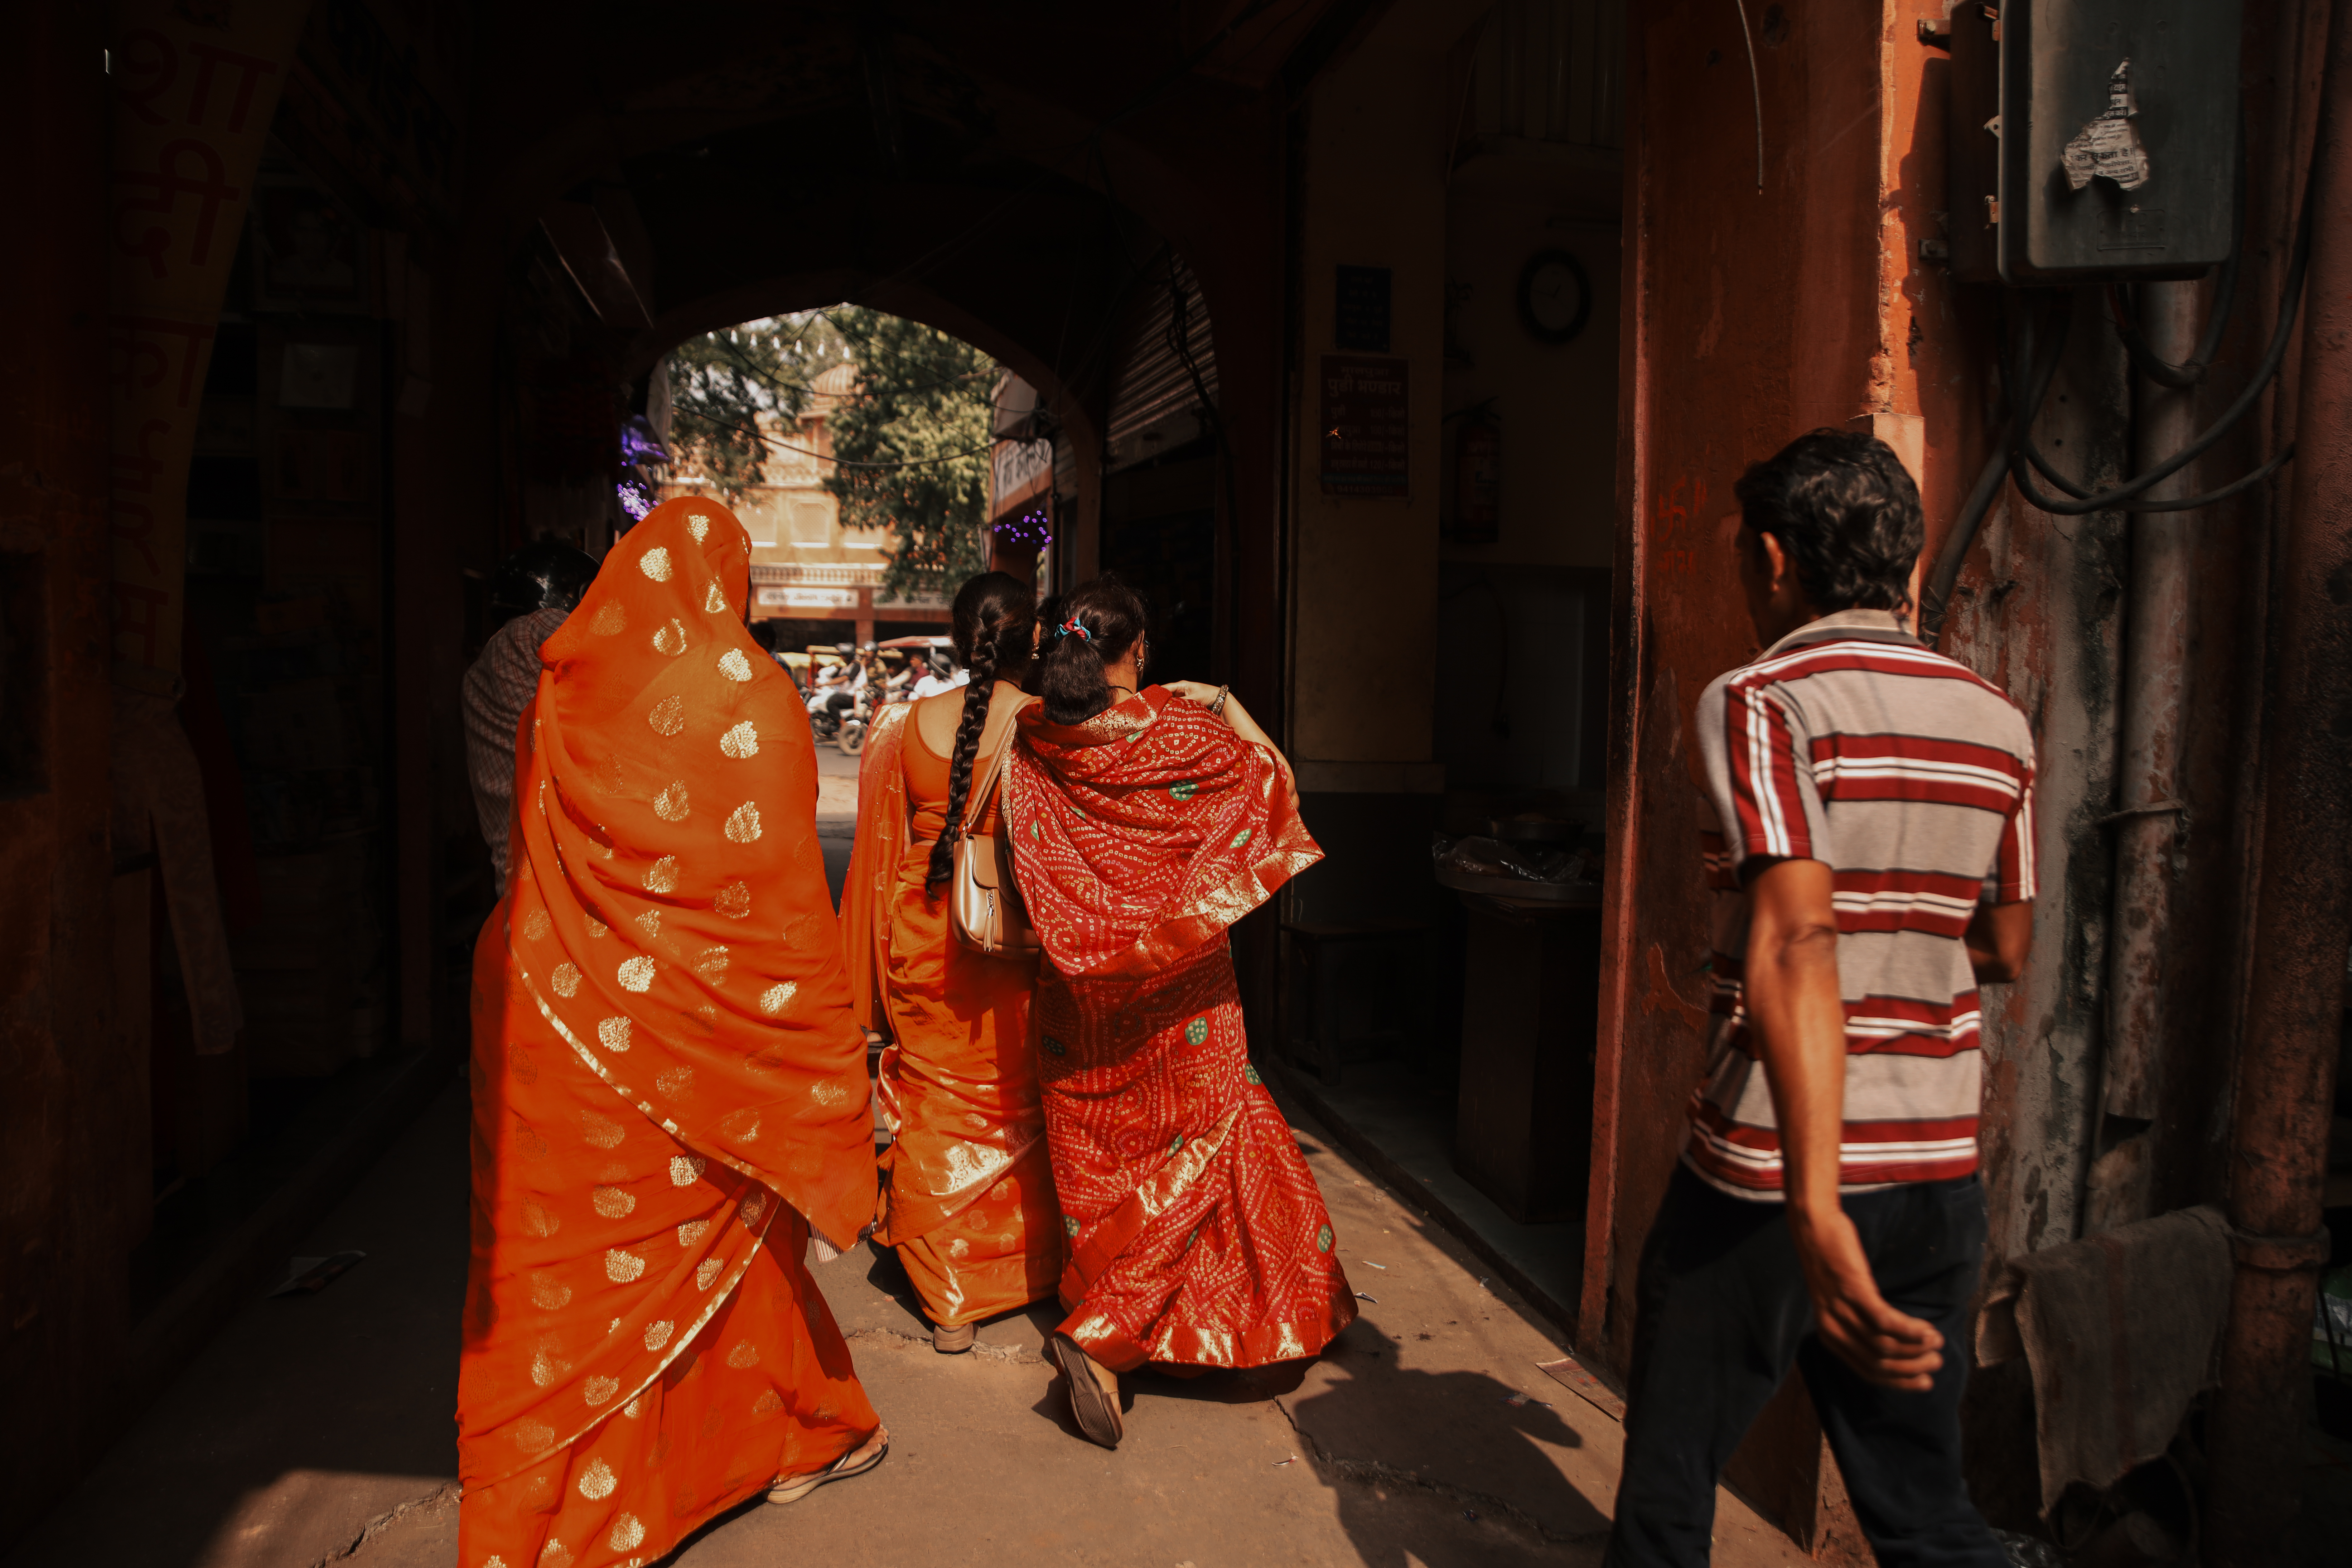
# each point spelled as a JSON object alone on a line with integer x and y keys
{"x": 2024, "y": 455}
{"x": 1755, "y": 89}
{"x": 768, "y": 440}
{"x": 2120, "y": 301}
{"x": 735, "y": 352}
{"x": 2192, "y": 371}
{"x": 1936, "y": 596}
{"x": 2015, "y": 455}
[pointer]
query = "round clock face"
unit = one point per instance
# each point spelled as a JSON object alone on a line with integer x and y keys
{"x": 1555, "y": 296}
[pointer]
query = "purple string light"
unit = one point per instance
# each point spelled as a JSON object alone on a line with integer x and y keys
{"x": 1031, "y": 531}
{"x": 639, "y": 449}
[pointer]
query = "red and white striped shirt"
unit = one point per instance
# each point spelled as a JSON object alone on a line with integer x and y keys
{"x": 1912, "y": 778}
{"x": 500, "y": 685}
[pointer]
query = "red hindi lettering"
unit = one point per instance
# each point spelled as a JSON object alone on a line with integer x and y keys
{"x": 137, "y": 615}
{"x": 136, "y": 475}
{"x": 146, "y": 67}
{"x": 140, "y": 338}
{"x": 133, "y": 523}
{"x": 252, "y": 68}
{"x": 166, "y": 185}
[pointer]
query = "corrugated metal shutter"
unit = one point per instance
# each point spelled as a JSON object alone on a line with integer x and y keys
{"x": 1154, "y": 406}
{"x": 1549, "y": 71}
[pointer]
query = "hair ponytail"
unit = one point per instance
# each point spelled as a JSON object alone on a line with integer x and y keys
{"x": 1095, "y": 624}
{"x": 990, "y": 624}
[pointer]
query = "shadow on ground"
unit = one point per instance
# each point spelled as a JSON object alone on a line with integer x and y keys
{"x": 1456, "y": 1442}
{"x": 308, "y": 1416}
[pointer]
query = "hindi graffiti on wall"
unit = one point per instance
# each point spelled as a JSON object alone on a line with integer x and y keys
{"x": 194, "y": 88}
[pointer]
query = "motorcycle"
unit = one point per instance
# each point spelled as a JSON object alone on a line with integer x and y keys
{"x": 844, "y": 731}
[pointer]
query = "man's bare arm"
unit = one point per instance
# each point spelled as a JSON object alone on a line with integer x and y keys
{"x": 1797, "y": 1016}
{"x": 1997, "y": 938}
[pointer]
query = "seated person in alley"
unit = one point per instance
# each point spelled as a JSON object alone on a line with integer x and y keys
{"x": 535, "y": 588}
{"x": 1868, "y": 838}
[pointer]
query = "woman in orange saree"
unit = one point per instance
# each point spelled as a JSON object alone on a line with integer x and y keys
{"x": 1141, "y": 830}
{"x": 967, "y": 1189}
{"x": 670, "y": 1092}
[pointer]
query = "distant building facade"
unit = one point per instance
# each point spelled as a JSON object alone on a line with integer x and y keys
{"x": 820, "y": 582}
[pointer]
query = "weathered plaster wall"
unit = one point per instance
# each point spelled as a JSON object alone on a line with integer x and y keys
{"x": 1750, "y": 317}
{"x": 73, "y": 1108}
{"x": 2040, "y": 614}
{"x": 1557, "y": 403}
{"x": 2037, "y": 613}
{"x": 2041, "y": 609}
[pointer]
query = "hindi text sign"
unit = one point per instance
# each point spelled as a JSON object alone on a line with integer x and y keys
{"x": 1366, "y": 424}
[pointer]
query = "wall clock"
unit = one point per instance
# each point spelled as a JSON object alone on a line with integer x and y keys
{"x": 1555, "y": 297}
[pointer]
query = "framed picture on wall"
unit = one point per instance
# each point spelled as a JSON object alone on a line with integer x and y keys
{"x": 308, "y": 253}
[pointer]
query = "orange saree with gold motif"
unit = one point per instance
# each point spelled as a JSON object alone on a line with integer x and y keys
{"x": 668, "y": 1088}
{"x": 967, "y": 1195}
{"x": 1197, "y": 1235}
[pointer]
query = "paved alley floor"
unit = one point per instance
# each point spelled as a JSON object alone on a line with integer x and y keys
{"x": 836, "y": 812}
{"x": 317, "y": 1429}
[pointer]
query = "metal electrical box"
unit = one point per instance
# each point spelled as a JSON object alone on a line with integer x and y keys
{"x": 2114, "y": 143}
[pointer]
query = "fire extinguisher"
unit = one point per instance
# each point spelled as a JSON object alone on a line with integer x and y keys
{"x": 1478, "y": 479}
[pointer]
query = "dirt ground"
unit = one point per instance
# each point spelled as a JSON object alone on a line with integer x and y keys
{"x": 317, "y": 1429}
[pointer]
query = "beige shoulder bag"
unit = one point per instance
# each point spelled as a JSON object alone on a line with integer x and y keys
{"x": 985, "y": 902}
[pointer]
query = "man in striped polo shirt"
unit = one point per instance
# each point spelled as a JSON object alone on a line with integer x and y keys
{"x": 1868, "y": 839}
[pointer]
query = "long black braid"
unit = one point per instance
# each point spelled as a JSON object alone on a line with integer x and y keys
{"x": 993, "y": 618}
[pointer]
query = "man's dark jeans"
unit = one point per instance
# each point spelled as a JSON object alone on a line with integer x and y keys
{"x": 1722, "y": 1312}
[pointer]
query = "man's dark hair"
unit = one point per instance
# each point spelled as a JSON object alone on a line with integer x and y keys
{"x": 545, "y": 575}
{"x": 1847, "y": 514}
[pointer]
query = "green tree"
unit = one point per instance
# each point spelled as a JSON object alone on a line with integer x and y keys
{"x": 722, "y": 381}
{"x": 911, "y": 449}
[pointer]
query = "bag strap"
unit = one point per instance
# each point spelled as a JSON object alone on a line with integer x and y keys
{"x": 978, "y": 799}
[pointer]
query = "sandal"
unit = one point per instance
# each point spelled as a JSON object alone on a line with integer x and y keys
{"x": 1094, "y": 1407}
{"x": 794, "y": 1488}
{"x": 955, "y": 1341}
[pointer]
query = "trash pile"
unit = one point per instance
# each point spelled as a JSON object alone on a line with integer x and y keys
{"x": 1558, "y": 858}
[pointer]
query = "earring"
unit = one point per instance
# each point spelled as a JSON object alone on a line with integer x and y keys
{"x": 1142, "y": 656}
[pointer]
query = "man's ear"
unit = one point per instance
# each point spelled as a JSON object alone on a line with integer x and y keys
{"x": 1775, "y": 559}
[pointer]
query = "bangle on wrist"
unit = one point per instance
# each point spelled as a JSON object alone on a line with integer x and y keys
{"x": 1217, "y": 706}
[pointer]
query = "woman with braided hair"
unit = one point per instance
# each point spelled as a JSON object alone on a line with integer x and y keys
{"x": 1144, "y": 823}
{"x": 967, "y": 1193}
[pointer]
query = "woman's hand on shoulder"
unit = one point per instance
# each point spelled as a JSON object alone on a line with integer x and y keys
{"x": 1198, "y": 691}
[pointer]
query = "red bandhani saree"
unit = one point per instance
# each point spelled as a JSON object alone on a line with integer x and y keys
{"x": 1197, "y": 1235}
{"x": 669, "y": 1087}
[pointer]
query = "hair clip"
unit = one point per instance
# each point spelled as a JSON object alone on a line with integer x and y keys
{"x": 1067, "y": 627}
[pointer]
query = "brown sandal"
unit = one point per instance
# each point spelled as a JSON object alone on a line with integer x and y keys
{"x": 1094, "y": 1407}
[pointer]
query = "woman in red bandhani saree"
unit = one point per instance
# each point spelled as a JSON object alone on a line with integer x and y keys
{"x": 669, "y": 1091}
{"x": 1144, "y": 824}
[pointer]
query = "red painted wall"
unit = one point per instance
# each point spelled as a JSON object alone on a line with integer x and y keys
{"x": 1750, "y": 317}
{"x": 73, "y": 1105}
